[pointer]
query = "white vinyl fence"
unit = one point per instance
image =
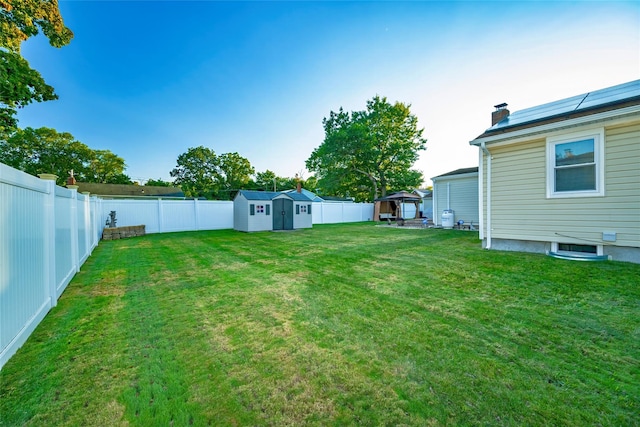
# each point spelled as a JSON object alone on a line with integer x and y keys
{"x": 46, "y": 234}
{"x": 167, "y": 215}
{"x": 332, "y": 212}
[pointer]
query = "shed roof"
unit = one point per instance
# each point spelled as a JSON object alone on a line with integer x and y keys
{"x": 270, "y": 195}
{"x": 611, "y": 98}
{"x": 458, "y": 172}
{"x": 311, "y": 195}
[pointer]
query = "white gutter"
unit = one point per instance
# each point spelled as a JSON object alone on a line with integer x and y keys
{"x": 488, "y": 226}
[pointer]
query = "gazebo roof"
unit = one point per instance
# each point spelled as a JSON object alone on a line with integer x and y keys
{"x": 400, "y": 195}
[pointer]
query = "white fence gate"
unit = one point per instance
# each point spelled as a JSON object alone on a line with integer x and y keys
{"x": 46, "y": 234}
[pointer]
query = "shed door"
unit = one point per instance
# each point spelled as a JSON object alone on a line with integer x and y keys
{"x": 282, "y": 214}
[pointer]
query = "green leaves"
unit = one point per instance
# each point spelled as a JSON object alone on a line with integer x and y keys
{"x": 367, "y": 153}
{"x": 19, "y": 83}
{"x": 19, "y": 86}
{"x": 45, "y": 150}
{"x": 201, "y": 173}
{"x": 21, "y": 19}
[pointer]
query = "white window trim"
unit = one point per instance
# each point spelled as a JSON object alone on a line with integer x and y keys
{"x": 555, "y": 245}
{"x": 598, "y": 139}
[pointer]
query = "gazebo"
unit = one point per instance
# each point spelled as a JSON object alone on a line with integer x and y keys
{"x": 392, "y": 207}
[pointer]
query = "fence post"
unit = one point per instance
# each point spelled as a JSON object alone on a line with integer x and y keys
{"x": 196, "y": 213}
{"x": 160, "y": 214}
{"x": 49, "y": 248}
{"x": 73, "y": 213}
{"x": 87, "y": 222}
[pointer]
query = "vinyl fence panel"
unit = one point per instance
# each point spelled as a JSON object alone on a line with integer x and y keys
{"x": 332, "y": 212}
{"x": 163, "y": 216}
{"x": 45, "y": 235}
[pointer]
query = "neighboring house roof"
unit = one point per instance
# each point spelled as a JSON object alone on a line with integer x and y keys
{"x": 128, "y": 190}
{"x": 458, "y": 172}
{"x": 270, "y": 195}
{"x": 424, "y": 193}
{"x": 335, "y": 199}
{"x": 599, "y": 101}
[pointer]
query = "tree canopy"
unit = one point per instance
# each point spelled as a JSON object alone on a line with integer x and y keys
{"x": 45, "y": 150}
{"x": 200, "y": 172}
{"x": 158, "y": 183}
{"x": 367, "y": 153}
{"x": 197, "y": 172}
{"x": 21, "y": 19}
{"x": 19, "y": 83}
{"x": 236, "y": 173}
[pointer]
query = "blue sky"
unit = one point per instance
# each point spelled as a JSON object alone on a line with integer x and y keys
{"x": 149, "y": 79}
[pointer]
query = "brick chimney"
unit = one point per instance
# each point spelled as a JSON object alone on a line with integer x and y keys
{"x": 500, "y": 113}
{"x": 299, "y": 187}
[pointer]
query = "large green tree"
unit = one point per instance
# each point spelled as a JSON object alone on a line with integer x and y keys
{"x": 202, "y": 173}
{"x": 197, "y": 172}
{"x": 236, "y": 174}
{"x": 45, "y": 150}
{"x": 367, "y": 153}
{"x": 19, "y": 83}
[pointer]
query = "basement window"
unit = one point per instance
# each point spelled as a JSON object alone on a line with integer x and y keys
{"x": 576, "y": 248}
{"x": 572, "y": 247}
{"x": 575, "y": 164}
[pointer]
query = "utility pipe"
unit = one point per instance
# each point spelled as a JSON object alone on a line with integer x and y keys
{"x": 488, "y": 225}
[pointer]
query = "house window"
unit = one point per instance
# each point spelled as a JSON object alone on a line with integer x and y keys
{"x": 575, "y": 164}
{"x": 252, "y": 209}
{"x": 303, "y": 209}
{"x": 571, "y": 247}
{"x": 260, "y": 209}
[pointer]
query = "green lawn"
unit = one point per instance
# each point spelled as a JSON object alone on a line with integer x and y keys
{"x": 338, "y": 325}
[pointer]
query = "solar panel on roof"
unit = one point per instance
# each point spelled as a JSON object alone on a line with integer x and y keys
{"x": 575, "y": 103}
{"x": 614, "y": 94}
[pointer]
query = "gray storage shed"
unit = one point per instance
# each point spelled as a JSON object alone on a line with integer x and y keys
{"x": 268, "y": 210}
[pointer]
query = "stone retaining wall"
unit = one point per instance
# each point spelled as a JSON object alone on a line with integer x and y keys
{"x": 115, "y": 233}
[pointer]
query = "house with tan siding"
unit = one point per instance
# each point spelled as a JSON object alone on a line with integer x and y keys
{"x": 564, "y": 178}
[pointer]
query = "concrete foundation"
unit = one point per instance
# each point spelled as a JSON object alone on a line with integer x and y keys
{"x": 616, "y": 253}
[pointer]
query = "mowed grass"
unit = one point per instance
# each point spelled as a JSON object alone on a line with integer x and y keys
{"x": 339, "y": 325}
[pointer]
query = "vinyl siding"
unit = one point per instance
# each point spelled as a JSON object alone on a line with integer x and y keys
{"x": 240, "y": 214}
{"x": 303, "y": 219}
{"x": 521, "y": 210}
{"x": 242, "y": 221}
{"x": 463, "y": 198}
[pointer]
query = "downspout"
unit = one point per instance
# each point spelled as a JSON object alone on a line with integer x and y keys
{"x": 434, "y": 202}
{"x": 448, "y": 195}
{"x": 488, "y": 226}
